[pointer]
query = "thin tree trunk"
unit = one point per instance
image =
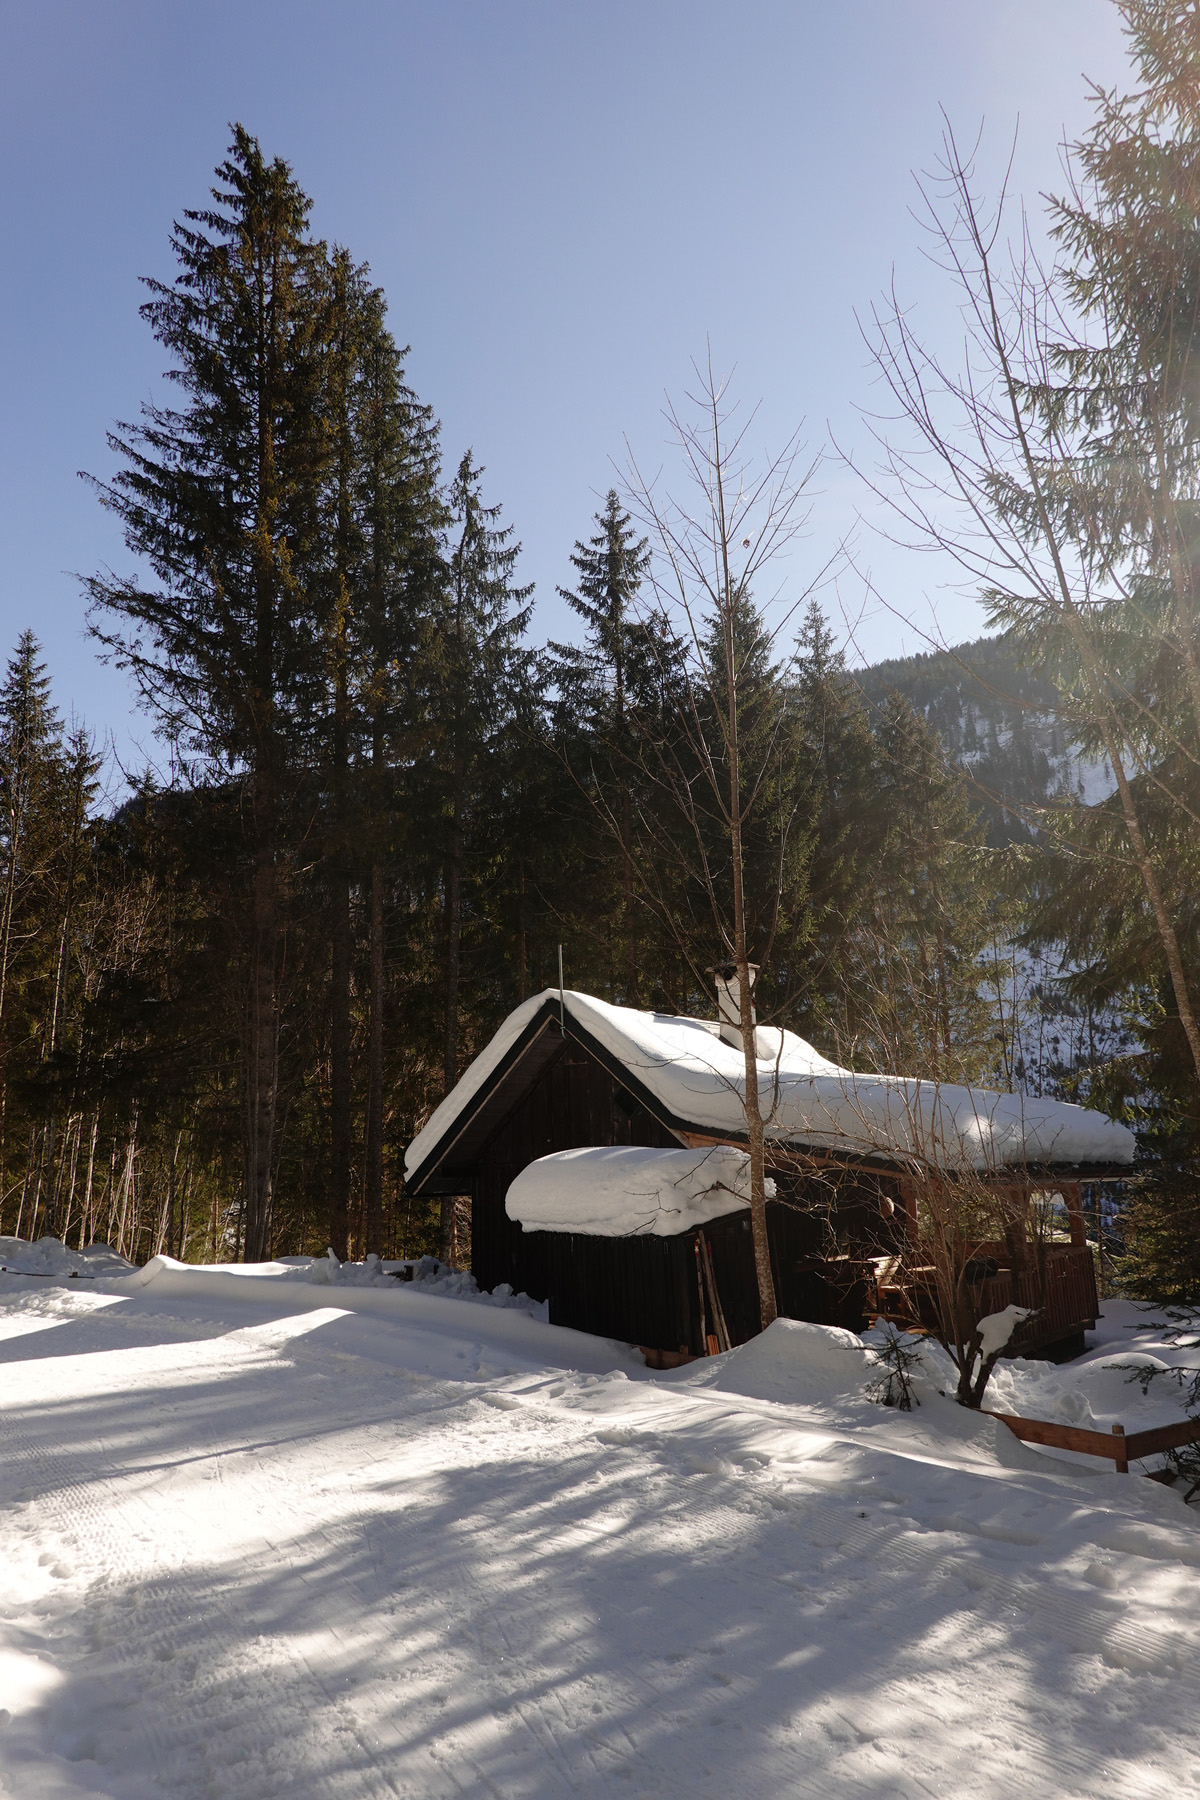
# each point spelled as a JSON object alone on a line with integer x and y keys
{"x": 185, "y": 1207}
{"x": 263, "y": 1057}
{"x": 340, "y": 1084}
{"x": 522, "y": 948}
{"x": 262, "y": 1060}
{"x": 56, "y": 1166}
{"x": 373, "y": 1186}
{"x": 110, "y": 1194}
{"x": 339, "y": 1098}
{"x": 453, "y": 944}
{"x": 25, "y": 1183}
{"x": 168, "y": 1233}
{"x": 74, "y": 1134}
{"x": 630, "y": 934}
{"x": 44, "y": 1151}
{"x": 6, "y": 927}
{"x": 85, "y": 1217}
{"x": 126, "y": 1186}
{"x": 62, "y": 960}
{"x": 767, "y": 1305}
{"x": 453, "y": 951}
{"x": 626, "y": 828}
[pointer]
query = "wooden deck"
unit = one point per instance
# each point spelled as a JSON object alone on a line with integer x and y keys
{"x": 1062, "y": 1292}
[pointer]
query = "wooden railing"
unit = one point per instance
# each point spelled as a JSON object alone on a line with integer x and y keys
{"x": 1062, "y": 1295}
{"x": 1119, "y": 1445}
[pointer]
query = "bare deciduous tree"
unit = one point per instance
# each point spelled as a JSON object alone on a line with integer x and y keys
{"x": 1057, "y": 463}
{"x": 712, "y": 551}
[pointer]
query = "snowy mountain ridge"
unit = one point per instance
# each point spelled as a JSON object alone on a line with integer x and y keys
{"x": 997, "y": 720}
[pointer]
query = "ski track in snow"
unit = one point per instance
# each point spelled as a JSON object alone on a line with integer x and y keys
{"x": 324, "y": 1546}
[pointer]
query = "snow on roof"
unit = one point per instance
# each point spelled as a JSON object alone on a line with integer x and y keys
{"x": 624, "y": 1191}
{"x": 805, "y": 1098}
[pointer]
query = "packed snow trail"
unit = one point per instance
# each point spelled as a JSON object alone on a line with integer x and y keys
{"x": 265, "y": 1538}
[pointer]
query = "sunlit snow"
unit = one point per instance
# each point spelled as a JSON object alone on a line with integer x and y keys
{"x": 270, "y": 1535}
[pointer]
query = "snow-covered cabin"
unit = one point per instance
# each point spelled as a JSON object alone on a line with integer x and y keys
{"x": 618, "y": 1240}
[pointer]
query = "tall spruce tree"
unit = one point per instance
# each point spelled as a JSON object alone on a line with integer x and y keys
{"x": 927, "y": 992}
{"x": 842, "y": 825}
{"x": 219, "y": 499}
{"x": 598, "y": 684}
{"x": 351, "y": 316}
{"x": 477, "y": 673}
{"x": 31, "y": 777}
{"x": 403, "y": 517}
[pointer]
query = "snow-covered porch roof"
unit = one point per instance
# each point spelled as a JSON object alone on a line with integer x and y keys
{"x": 623, "y": 1190}
{"x": 693, "y": 1082}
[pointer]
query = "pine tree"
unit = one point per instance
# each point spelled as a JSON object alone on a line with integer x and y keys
{"x": 32, "y": 766}
{"x": 478, "y": 675}
{"x": 220, "y": 501}
{"x": 937, "y": 907}
{"x": 353, "y": 311}
{"x": 403, "y": 517}
{"x": 599, "y": 681}
{"x": 385, "y": 576}
{"x": 844, "y": 828}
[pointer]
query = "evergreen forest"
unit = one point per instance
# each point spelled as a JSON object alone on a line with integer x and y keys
{"x": 233, "y": 987}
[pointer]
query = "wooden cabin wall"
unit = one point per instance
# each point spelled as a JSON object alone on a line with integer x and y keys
{"x": 850, "y": 1212}
{"x": 575, "y": 1103}
{"x": 810, "y": 1282}
{"x": 639, "y": 1290}
{"x": 643, "y": 1289}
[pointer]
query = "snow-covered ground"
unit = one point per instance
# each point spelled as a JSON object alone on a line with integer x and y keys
{"x": 276, "y": 1535}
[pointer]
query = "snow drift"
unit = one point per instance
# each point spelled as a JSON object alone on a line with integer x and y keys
{"x": 793, "y": 1362}
{"x": 50, "y": 1257}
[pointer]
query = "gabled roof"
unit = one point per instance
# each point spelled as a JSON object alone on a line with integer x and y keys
{"x": 693, "y": 1083}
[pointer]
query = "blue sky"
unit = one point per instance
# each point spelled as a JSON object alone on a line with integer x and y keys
{"x": 562, "y": 201}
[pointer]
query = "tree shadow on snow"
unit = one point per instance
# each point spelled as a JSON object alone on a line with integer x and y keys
{"x": 292, "y": 1583}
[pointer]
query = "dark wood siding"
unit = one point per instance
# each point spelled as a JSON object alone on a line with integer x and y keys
{"x": 643, "y": 1290}
{"x": 640, "y": 1290}
{"x": 574, "y": 1104}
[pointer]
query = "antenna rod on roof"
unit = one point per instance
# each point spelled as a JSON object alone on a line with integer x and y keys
{"x": 562, "y": 1004}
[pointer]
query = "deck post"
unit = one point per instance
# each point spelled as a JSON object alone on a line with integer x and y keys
{"x": 1122, "y": 1461}
{"x": 1072, "y": 1194}
{"x": 908, "y": 1193}
{"x": 1014, "y": 1198}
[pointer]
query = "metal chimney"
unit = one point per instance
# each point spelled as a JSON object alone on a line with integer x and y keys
{"x": 729, "y": 1010}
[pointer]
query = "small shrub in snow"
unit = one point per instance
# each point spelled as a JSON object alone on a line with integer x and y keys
{"x": 898, "y": 1356}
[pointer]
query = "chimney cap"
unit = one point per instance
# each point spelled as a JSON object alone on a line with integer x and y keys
{"x": 726, "y": 971}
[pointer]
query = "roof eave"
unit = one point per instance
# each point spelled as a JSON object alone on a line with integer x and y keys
{"x": 423, "y": 1180}
{"x": 547, "y": 1017}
